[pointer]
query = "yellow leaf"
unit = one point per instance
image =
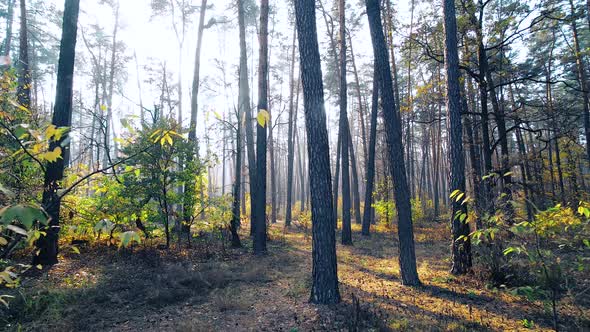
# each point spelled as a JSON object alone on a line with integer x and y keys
{"x": 50, "y": 131}
{"x": 59, "y": 133}
{"x": 3, "y": 241}
{"x": 156, "y": 132}
{"x": 19, "y": 106}
{"x": 263, "y": 117}
{"x": 36, "y": 148}
{"x": 52, "y": 156}
{"x": 103, "y": 107}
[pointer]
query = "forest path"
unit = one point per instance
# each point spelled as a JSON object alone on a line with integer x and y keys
{"x": 205, "y": 289}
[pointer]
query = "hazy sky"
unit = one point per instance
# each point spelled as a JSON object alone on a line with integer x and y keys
{"x": 153, "y": 38}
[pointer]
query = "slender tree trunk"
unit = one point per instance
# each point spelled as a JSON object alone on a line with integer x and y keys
{"x": 581, "y": 76}
{"x": 337, "y": 179}
{"x": 273, "y": 173}
{"x": 9, "y": 19}
{"x": 259, "y": 212}
{"x": 188, "y": 208}
{"x": 141, "y": 110}
{"x": 324, "y": 288}
{"x": 290, "y": 134}
{"x": 359, "y": 96}
{"x": 62, "y": 117}
{"x": 24, "y": 73}
{"x": 355, "y": 183}
{"x": 344, "y": 131}
{"x": 461, "y": 245}
{"x": 392, "y": 121}
{"x": 236, "y": 191}
{"x": 559, "y": 169}
{"x": 244, "y": 103}
{"x": 370, "y": 169}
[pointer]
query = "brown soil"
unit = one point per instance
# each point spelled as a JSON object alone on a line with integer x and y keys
{"x": 213, "y": 288}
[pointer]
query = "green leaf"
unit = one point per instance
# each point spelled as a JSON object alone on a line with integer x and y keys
{"x": 20, "y": 132}
{"x": 25, "y": 214}
{"x": 459, "y": 197}
{"x": 104, "y": 225}
{"x": 582, "y": 210}
{"x": 510, "y": 250}
{"x": 75, "y": 250}
{"x": 463, "y": 217}
{"x": 127, "y": 238}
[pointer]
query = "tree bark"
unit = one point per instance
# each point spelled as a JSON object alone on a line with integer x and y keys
{"x": 392, "y": 121}
{"x": 461, "y": 244}
{"x": 259, "y": 212}
{"x": 324, "y": 271}
{"x": 62, "y": 117}
{"x": 8, "y": 41}
{"x": 370, "y": 169}
{"x": 344, "y": 131}
{"x": 290, "y": 133}
{"x": 24, "y": 72}
{"x": 581, "y": 76}
{"x": 356, "y": 199}
{"x": 189, "y": 188}
{"x": 244, "y": 103}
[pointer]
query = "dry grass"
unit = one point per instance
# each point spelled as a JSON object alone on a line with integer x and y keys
{"x": 228, "y": 299}
{"x": 186, "y": 291}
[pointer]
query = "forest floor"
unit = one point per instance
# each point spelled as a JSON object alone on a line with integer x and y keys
{"x": 212, "y": 288}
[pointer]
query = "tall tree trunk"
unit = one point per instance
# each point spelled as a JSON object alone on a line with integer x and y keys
{"x": 189, "y": 188}
{"x": 9, "y": 19}
{"x": 259, "y": 212}
{"x": 356, "y": 199}
{"x": 359, "y": 96}
{"x": 344, "y": 131}
{"x": 324, "y": 288}
{"x": 370, "y": 168}
{"x": 559, "y": 169}
{"x": 141, "y": 109}
{"x": 62, "y": 117}
{"x": 273, "y": 175}
{"x": 236, "y": 191}
{"x": 392, "y": 121}
{"x": 581, "y": 76}
{"x": 108, "y": 89}
{"x": 461, "y": 245}
{"x": 336, "y": 182}
{"x": 24, "y": 73}
{"x": 290, "y": 134}
{"x": 244, "y": 103}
